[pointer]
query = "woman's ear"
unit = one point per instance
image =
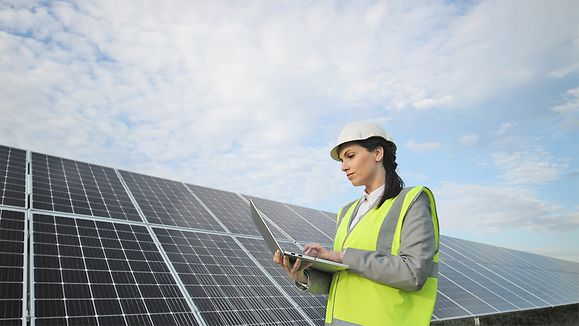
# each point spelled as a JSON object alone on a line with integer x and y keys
{"x": 379, "y": 153}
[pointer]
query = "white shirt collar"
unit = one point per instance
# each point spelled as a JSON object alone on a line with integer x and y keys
{"x": 374, "y": 195}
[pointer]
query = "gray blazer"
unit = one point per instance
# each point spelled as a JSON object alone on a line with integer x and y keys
{"x": 407, "y": 271}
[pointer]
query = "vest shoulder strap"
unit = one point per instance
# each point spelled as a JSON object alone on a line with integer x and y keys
{"x": 343, "y": 211}
{"x": 388, "y": 228}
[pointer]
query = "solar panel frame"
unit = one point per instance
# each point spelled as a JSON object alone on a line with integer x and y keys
{"x": 134, "y": 269}
{"x": 477, "y": 273}
{"x": 446, "y": 308}
{"x": 314, "y": 306}
{"x": 317, "y": 220}
{"x": 13, "y": 171}
{"x": 467, "y": 300}
{"x": 524, "y": 280}
{"x": 68, "y": 186}
{"x": 229, "y": 287}
{"x": 470, "y": 284}
{"x": 13, "y": 271}
{"x": 505, "y": 282}
{"x": 231, "y": 209}
{"x": 287, "y": 221}
{"x": 167, "y": 202}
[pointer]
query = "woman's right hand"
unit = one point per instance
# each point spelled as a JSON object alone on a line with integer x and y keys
{"x": 295, "y": 270}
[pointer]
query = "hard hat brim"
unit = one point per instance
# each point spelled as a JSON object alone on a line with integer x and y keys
{"x": 334, "y": 154}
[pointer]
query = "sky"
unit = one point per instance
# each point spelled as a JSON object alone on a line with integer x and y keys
{"x": 481, "y": 97}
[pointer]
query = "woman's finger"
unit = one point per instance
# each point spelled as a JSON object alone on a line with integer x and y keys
{"x": 296, "y": 265}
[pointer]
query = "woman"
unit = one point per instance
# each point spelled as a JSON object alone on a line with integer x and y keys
{"x": 389, "y": 239}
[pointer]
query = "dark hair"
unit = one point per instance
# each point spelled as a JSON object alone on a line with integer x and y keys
{"x": 393, "y": 184}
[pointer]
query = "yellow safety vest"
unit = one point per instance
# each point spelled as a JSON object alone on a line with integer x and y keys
{"x": 356, "y": 300}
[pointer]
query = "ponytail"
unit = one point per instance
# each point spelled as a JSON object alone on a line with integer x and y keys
{"x": 393, "y": 184}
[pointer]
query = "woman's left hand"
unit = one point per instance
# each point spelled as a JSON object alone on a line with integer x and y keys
{"x": 317, "y": 250}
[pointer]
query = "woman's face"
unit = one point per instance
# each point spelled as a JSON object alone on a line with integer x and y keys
{"x": 362, "y": 168}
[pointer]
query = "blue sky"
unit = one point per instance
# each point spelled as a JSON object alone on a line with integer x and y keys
{"x": 481, "y": 97}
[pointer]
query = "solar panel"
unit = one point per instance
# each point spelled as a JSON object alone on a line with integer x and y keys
{"x": 116, "y": 247}
{"x": 528, "y": 274}
{"x": 472, "y": 283}
{"x": 68, "y": 186}
{"x": 230, "y": 209}
{"x": 168, "y": 202}
{"x": 290, "y": 222}
{"x": 446, "y": 308}
{"x": 458, "y": 247}
{"x": 93, "y": 272}
{"x": 12, "y": 177}
{"x": 313, "y": 305}
{"x": 225, "y": 284}
{"x": 504, "y": 289}
{"x": 316, "y": 218}
{"x": 12, "y": 242}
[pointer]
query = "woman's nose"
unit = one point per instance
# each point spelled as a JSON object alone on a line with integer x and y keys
{"x": 344, "y": 166}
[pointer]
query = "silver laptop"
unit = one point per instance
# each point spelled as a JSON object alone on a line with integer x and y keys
{"x": 317, "y": 263}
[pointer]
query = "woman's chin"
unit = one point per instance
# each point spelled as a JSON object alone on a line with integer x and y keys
{"x": 355, "y": 184}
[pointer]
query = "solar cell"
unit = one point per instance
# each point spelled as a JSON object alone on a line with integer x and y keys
{"x": 504, "y": 289}
{"x": 466, "y": 300}
{"x": 12, "y": 226}
{"x": 474, "y": 284}
{"x": 225, "y": 284}
{"x": 64, "y": 185}
{"x": 313, "y": 305}
{"x": 527, "y": 273}
{"x": 89, "y": 269}
{"x": 92, "y": 272}
{"x": 522, "y": 278}
{"x": 12, "y": 176}
{"x": 318, "y": 219}
{"x": 468, "y": 259}
{"x": 168, "y": 202}
{"x": 230, "y": 209}
{"x": 290, "y": 222}
{"x": 446, "y": 308}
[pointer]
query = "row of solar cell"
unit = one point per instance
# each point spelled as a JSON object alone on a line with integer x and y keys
{"x": 12, "y": 177}
{"x": 478, "y": 287}
{"x": 118, "y": 273}
{"x": 69, "y": 186}
{"x": 224, "y": 282}
{"x": 12, "y": 227}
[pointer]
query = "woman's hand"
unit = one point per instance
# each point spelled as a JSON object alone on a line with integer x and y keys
{"x": 295, "y": 270}
{"x": 317, "y": 250}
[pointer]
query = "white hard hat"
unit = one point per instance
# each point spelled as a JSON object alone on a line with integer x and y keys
{"x": 359, "y": 131}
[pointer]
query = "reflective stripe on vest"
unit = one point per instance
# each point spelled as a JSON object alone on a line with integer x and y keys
{"x": 356, "y": 300}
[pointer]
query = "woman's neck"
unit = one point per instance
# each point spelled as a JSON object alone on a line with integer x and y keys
{"x": 370, "y": 188}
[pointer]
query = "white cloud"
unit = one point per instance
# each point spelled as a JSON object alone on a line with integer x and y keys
{"x": 433, "y": 102}
{"x": 570, "y": 109}
{"x": 469, "y": 140}
{"x": 503, "y": 129}
{"x": 202, "y": 91}
{"x": 493, "y": 207}
{"x": 530, "y": 167}
{"x": 572, "y": 104}
{"x": 422, "y": 147}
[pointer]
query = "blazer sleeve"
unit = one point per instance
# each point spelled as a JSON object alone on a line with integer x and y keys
{"x": 318, "y": 282}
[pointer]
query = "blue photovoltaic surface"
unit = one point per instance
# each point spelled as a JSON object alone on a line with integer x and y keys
{"x": 93, "y": 258}
{"x": 68, "y": 186}
{"x": 12, "y": 176}
{"x": 100, "y": 273}
{"x": 11, "y": 266}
